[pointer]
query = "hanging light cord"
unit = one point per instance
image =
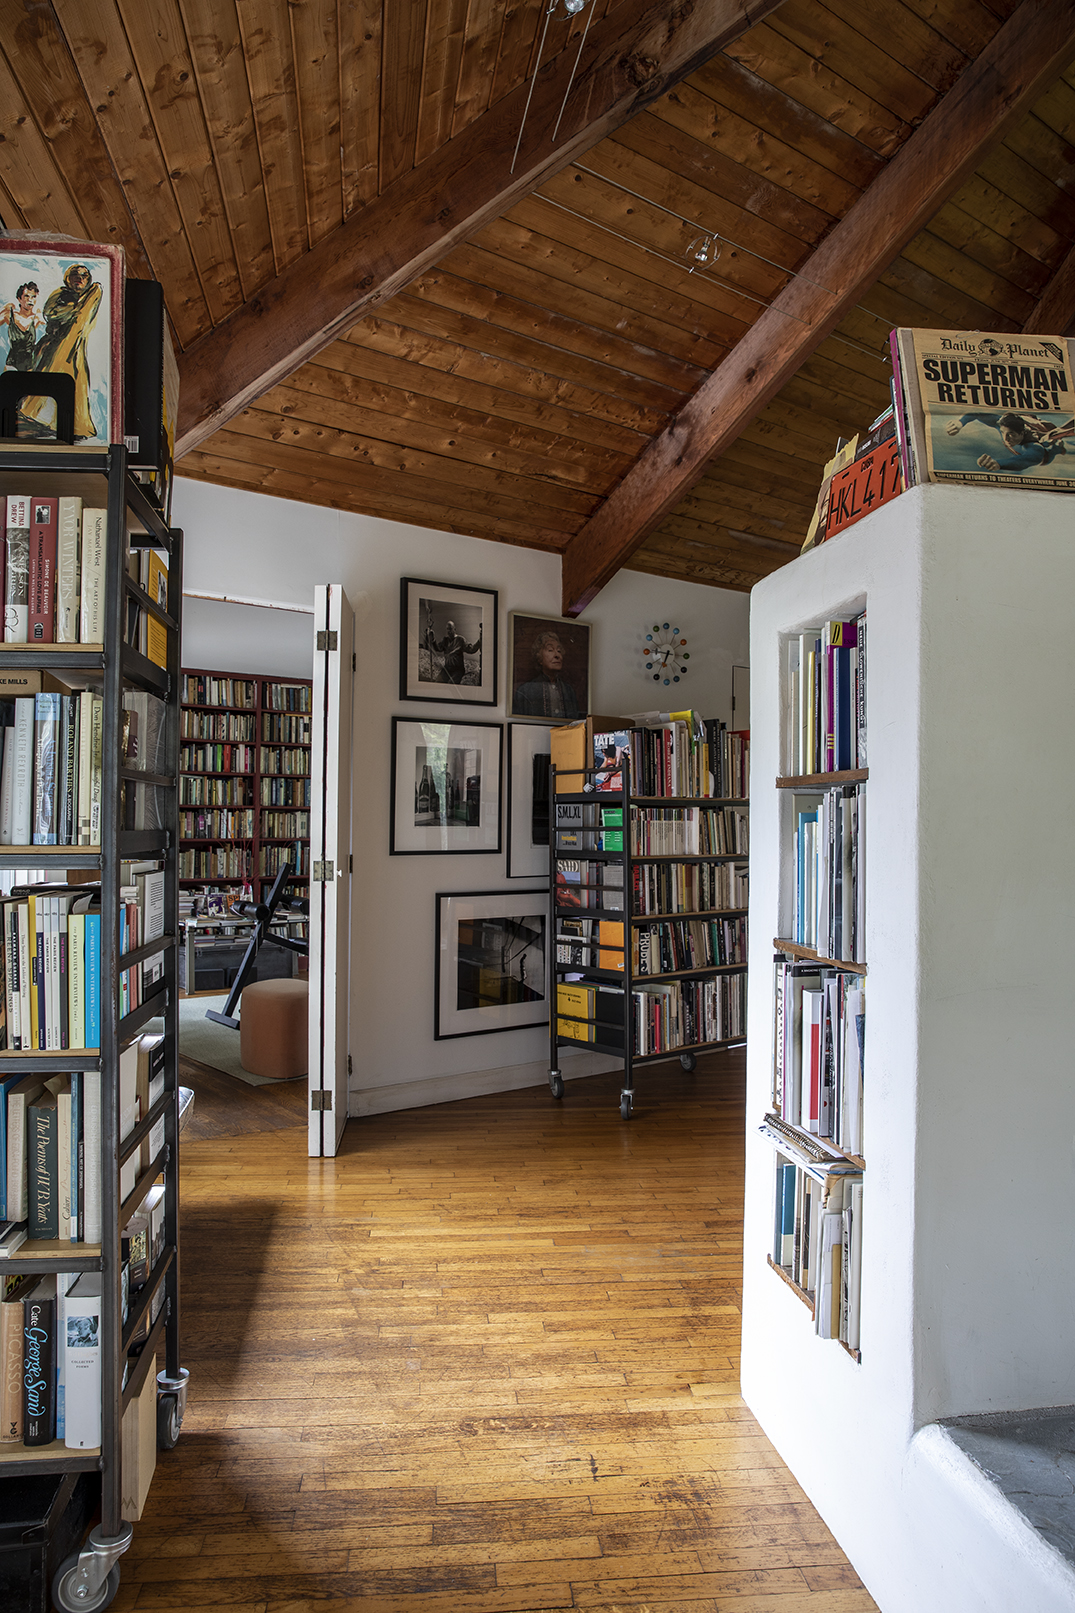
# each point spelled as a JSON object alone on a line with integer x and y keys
{"x": 572, "y": 7}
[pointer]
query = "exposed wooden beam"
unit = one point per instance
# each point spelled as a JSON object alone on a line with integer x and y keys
{"x": 631, "y": 57}
{"x": 1054, "y": 311}
{"x": 1029, "y": 51}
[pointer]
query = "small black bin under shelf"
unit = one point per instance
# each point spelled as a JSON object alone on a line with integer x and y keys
{"x": 43, "y": 1518}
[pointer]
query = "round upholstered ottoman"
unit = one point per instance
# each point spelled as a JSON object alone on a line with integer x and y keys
{"x": 273, "y": 1028}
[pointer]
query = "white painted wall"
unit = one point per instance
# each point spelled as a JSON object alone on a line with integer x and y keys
{"x": 251, "y": 638}
{"x": 968, "y": 1263}
{"x": 251, "y": 546}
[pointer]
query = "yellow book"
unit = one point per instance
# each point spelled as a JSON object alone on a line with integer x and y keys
{"x": 574, "y": 1030}
{"x": 610, "y": 936}
{"x": 572, "y": 999}
{"x": 157, "y": 589}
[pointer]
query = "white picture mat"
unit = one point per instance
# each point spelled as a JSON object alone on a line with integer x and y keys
{"x": 414, "y": 688}
{"x": 525, "y": 741}
{"x": 411, "y": 735}
{"x": 452, "y": 910}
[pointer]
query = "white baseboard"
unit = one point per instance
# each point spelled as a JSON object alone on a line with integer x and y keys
{"x": 476, "y": 1084}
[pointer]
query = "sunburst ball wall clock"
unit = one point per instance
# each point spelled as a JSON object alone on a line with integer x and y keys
{"x": 665, "y": 653}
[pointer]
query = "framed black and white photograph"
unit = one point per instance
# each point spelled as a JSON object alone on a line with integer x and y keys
{"x": 447, "y": 642}
{"x": 492, "y": 962}
{"x": 445, "y": 786}
{"x": 529, "y": 758}
{"x": 549, "y": 668}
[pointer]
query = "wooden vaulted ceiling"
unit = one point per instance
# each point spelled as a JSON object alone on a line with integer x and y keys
{"x": 440, "y": 260}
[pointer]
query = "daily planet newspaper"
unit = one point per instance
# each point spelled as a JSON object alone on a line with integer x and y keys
{"x": 989, "y": 407}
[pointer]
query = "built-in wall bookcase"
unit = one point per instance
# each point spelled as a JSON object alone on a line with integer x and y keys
{"x": 244, "y": 801}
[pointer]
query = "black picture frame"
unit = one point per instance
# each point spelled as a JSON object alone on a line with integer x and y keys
{"x": 523, "y": 920}
{"x": 462, "y": 811}
{"x": 551, "y": 696}
{"x": 427, "y": 671}
{"x": 527, "y": 857}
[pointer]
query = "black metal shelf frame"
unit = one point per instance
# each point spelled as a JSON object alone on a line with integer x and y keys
{"x": 626, "y": 977}
{"x": 117, "y": 665}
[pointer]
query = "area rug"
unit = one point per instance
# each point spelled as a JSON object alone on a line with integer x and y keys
{"x": 209, "y": 1043}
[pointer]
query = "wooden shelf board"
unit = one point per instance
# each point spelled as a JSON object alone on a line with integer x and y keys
{"x": 55, "y": 1455}
{"x": 52, "y": 1249}
{"x": 800, "y": 1293}
{"x": 53, "y": 649}
{"x": 700, "y": 913}
{"x": 821, "y": 781}
{"x": 699, "y": 969}
{"x": 797, "y": 950}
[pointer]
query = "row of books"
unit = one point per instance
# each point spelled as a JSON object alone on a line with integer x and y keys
{"x": 286, "y": 763}
{"x": 818, "y": 1049}
{"x": 53, "y": 565}
{"x": 201, "y": 690}
{"x": 863, "y": 474}
{"x": 669, "y": 753}
{"x": 50, "y": 781}
{"x": 51, "y": 1340}
{"x": 287, "y": 696}
{"x": 675, "y": 944}
{"x": 285, "y": 792}
{"x": 285, "y": 728}
{"x": 223, "y": 758}
{"x": 695, "y": 887}
{"x": 51, "y": 958}
{"x": 50, "y": 1144}
{"x": 285, "y": 825}
{"x": 826, "y": 704}
{"x": 686, "y": 1013}
{"x": 220, "y": 726}
{"x": 272, "y": 858}
{"x": 817, "y": 1243}
{"x": 217, "y": 824}
{"x": 206, "y": 791}
{"x": 585, "y": 883}
{"x": 830, "y": 885}
{"x": 222, "y": 862}
{"x": 689, "y": 831}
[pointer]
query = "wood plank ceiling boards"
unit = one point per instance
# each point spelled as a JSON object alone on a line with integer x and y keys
{"x": 382, "y": 308}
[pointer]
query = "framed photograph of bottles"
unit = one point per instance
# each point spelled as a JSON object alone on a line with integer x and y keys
{"x": 446, "y": 780}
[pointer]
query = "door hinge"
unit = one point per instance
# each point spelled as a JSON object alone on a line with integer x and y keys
{"x": 323, "y": 872}
{"x": 354, "y": 661}
{"x": 321, "y": 1100}
{"x": 350, "y": 1066}
{"x": 351, "y": 864}
{"x": 328, "y": 640}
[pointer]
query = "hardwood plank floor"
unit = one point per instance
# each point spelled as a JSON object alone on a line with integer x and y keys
{"x": 485, "y": 1361}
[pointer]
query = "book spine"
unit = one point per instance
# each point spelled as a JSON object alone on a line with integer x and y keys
{"x": 76, "y": 979}
{"x": 81, "y": 1342}
{"x": 76, "y": 1157}
{"x": 25, "y": 976}
{"x": 46, "y": 734}
{"x": 96, "y": 752}
{"x": 68, "y": 569}
{"x": 39, "y": 1370}
{"x": 17, "y": 569}
{"x": 64, "y": 1178}
{"x": 63, "y": 976}
{"x": 22, "y": 812}
{"x": 41, "y": 621}
{"x": 93, "y": 980}
{"x": 92, "y": 597}
{"x": 11, "y": 1358}
{"x": 44, "y": 1171}
{"x": 91, "y": 1222}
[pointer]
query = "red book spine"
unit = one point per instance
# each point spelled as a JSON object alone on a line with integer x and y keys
{"x": 42, "y": 621}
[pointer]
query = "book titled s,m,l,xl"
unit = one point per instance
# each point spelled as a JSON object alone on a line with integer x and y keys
{"x": 17, "y": 569}
{"x": 39, "y": 1364}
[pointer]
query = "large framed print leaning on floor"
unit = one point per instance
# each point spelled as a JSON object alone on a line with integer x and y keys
{"x": 492, "y": 962}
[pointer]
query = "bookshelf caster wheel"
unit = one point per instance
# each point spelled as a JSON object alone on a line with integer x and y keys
{"x": 556, "y": 1085}
{"x": 625, "y": 1106}
{"x": 688, "y": 1060}
{"x": 67, "y": 1583}
{"x": 169, "y": 1422}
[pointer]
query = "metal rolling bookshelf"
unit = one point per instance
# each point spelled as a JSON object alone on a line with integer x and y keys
{"x": 91, "y": 1578}
{"x": 605, "y": 1035}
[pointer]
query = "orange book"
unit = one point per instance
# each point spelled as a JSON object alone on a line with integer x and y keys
{"x": 610, "y": 936}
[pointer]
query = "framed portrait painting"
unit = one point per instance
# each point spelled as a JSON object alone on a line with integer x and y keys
{"x": 529, "y": 759}
{"x": 61, "y": 315}
{"x": 549, "y": 668}
{"x": 447, "y": 643}
{"x": 492, "y": 969}
{"x": 445, "y": 786}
